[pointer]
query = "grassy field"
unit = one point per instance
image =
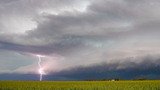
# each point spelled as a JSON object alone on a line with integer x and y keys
{"x": 80, "y": 85}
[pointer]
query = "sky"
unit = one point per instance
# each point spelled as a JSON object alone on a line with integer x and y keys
{"x": 80, "y": 39}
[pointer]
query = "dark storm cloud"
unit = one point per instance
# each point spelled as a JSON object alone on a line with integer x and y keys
{"x": 146, "y": 69}
{"x": 59, "y": 47}
{"x": 20, "y": 48}
{"x": 83, "y": 32}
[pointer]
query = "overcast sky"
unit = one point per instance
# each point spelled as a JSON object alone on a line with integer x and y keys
{"x": 78, "y": 33}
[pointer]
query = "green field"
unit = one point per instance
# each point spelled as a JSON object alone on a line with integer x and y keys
{"x": 80, "y": 85}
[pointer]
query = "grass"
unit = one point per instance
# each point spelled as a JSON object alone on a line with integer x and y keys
{"x": 80, "y": 85}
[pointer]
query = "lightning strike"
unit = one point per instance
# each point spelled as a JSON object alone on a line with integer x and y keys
{"x": 41, "y": 71}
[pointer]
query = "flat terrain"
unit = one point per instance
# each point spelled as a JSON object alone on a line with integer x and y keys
{"x": 80, "y": 85}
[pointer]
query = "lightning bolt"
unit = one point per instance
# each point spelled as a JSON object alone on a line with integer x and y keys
{"x": 41, "y": 71}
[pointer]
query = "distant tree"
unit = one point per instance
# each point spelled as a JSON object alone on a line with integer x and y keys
{"x": 141, "y": 78}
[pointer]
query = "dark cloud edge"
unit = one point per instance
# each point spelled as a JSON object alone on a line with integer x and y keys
{"x": 146, "y": 69}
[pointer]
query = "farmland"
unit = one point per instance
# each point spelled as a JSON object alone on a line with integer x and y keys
{"x": 80, "y": 85}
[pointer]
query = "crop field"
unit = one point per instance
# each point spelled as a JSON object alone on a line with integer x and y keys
{"x": 80, "y": 85}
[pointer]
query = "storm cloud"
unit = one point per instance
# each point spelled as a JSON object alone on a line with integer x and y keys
{"x": 85, "y": 33}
